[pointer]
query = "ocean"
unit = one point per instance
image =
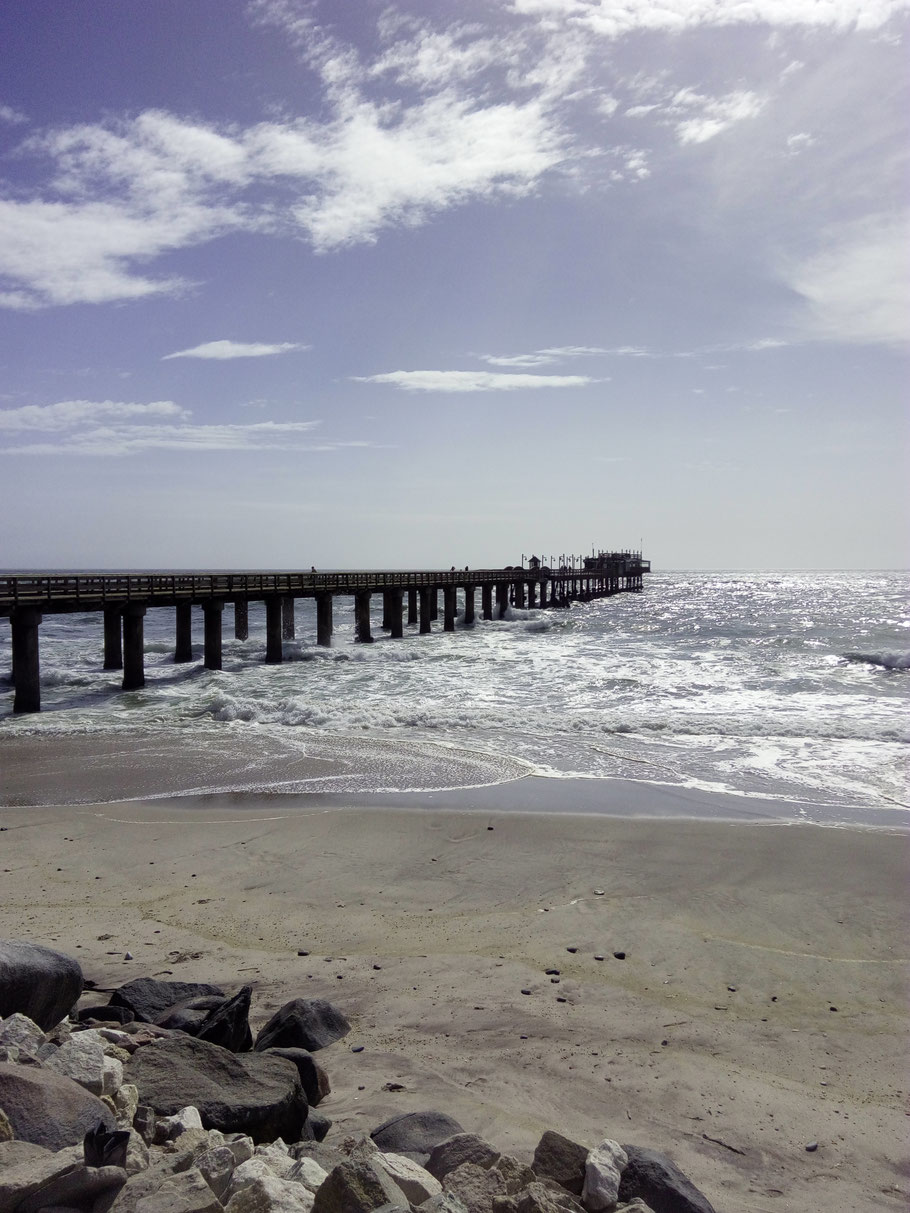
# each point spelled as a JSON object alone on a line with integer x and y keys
{"x": 789, "y": 687}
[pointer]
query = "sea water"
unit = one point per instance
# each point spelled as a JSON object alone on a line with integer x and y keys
{"x": 779, "y": 685}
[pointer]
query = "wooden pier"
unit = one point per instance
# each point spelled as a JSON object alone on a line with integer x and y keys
{"x": 123, "y": 599}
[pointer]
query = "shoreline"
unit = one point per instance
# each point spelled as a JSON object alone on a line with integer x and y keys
{"x": 109, "y": 769}
{"x": 426, "y": 927}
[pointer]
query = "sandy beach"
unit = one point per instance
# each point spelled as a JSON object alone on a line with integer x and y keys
{"x": 760, "y": 1004}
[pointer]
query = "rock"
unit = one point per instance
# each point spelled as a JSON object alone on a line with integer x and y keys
{"x": 6, "y": 1129}
{"x": 82, "y": 1059}
{"x": 517, "y": 1175}
{"x": 20, "y": 1032}
{"x": 58, "y": 1179}
{"x": 145, "y": 1121}
{"x": 189, "y": 1016}
{"x": 414, "y": 1180}
{"x": 105, "y": 1014}
{"x": 538, "y": 1197}
{"x": 462, "y": 1147}
{"x": 476, "y": 1187}
{"x": 255, "y": 1189}
{"x": 317, "y": 1125}
{"x": 276, "y": 1157}
{"x": 234, "y": 1092}
{"x": 138, "y": 1157}
{"x": 146, "y": 1183}
{"x": 241, "y": 1147}
{"x": 126, "y": 1105}
{"x": 303, "y": 1023}
{"x": 148, "y": 998}
{"x": 811, "y": 1147}
{"x": 357, "y": 1186}
{"x": 49, "y": 1109}
{"x": 415, "y": 1133}
{"x": 216, "y": 1166}
{"x": 186, "y": 1192}
{"x": 634, "y": 1206}
{"x": 12, "y": 1153}
{"x": 602, "y": 1171}
{"x": 38, "y": 982}
{"x": 313, "y": 1077}
{"x": 327, "y": 1156}
{"x": 169, "y": 1128}
{"x": 308, "y": 1172}
{"x": 660, "y": 1183}
{"x": 445, "y": 1202}
{"x": 229, "y": 1024}
{"x": 561, "y": 1160}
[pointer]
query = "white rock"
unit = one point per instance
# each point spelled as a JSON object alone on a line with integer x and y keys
{"x": 217, "y": 1167}
{"x": 137, "y": 1155}
{"x": 240, "y": 1146}
{"x": 111, "y": 1076}
{"x": 275, "y": 1154}
{"x": 186, "y": 1190}
{"x": 265, "y": 1193}
{"x": 126, "y": 1101}
{"x": 308, "y": 1172}
{"x": 82, "y": 1059}
{"x": 180, "y": 1122}
{"x": 602, "y": 1173}
{"x": 19, "y": 1032}
{"x": 414, "y": 1180}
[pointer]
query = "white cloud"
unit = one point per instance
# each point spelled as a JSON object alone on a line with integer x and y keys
{"x": 471, "y": 381}
{"x": 11, "y": 116}
{"x": 698, "y": 118}
{"x": 235, "y": 349}
{"x": 553, "y": 354}
{"x": 856, "y": 290}
{"x": 613, "y": 18}
{"x": 68, "y": 414}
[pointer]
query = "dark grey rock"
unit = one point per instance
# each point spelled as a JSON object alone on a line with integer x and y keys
{"x": 317, "y": 1124}
{"x": 105, "y": 1014}
{"x": 561, "y": 1160}
{"x": 313, "y": 1077}
{"x": 49, "y": 1109}
{"x": 660, "y": 1184}
{"x": 12, "y": 1153}
{"x": 357, "y": 1186}
{"x": 234, "y": 1092}
{"x": 229, "y": 1024}
{"x": 189, "y": 1015}
{"x": 303, "y": 1023}
{"x": 462, "y": 1147}
{"x": 415, "y": 1133}
{"x": 148, "y": 998}
{"x": 38, "y": 982}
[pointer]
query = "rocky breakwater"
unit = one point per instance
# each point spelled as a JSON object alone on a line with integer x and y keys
{"x": 161, "y": 1101}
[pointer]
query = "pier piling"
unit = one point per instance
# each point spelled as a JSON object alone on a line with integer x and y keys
{"x": 324, "y": 625}
{"x": 273, "y": 651}
{"x": 211, "y": 613}
{"x": 26, "y": 663}
{"x": 113, "y": 647}
{"x": 183, "y": 646}
{"x": 133, "y": 647}
{"x": 241, "y": 619}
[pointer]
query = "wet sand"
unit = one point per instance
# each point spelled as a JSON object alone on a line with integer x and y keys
{"x": 715, "y": 1038}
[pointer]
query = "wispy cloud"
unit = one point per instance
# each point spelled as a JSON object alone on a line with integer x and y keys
{"x": 546, "y": 357}
{"x": 472, "y": 381}
{"x": 12, "y": 116}
{"x": 235, "y": 349}
{"x": 68, "y": 414}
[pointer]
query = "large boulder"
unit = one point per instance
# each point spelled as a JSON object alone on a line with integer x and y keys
{"x": 561, "y": 1160}
{"x": 59, "y": 1180}
{"x": 38, "y": 982}
{"x": 539, "y": 1197}
{"x": 415, "y": 1133}
{"x": 357, "y": 1186}
{"x": 602, "y": 1171}
{"x": 660, "y": 1183}
{"x": 462, "y": 1147}
{"x": 148, "y": 998}
{"x": 476, "y": 1187}
{"x": 303, "y": 1023}
{"x": 49, "y": 1109}
{"x": 234, "y": 1092}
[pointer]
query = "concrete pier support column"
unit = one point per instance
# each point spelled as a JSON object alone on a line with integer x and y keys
{"x": 543, "y": 592}
{"x": 386, "y": 610}
{"x": 113, "y": 646}
{"x": 362, "y": 617}
{"x": 133, "y": 642}
{"x": 324, "y": 620}
{"x": 532, "y": 593}
{"x": 486, "y": 600}
{"x": 211, "y": 613}
{"x": 273, "y": 652}
{"x": 554, "y": 593}
{"x": 468, "y": 606}
{"x": 183, "y": 641}
{"x": 395, "y": 607}
{"x": 520, "y": 594}
{"x": 288, "y": 630}
{"x": 425, "y": 609}
{"x": 448, "y": 600}
{"x": 26, "y": 664}
{"x": 412, "y": 606}
{"x": 434, "y": 602}
{"x": 502, "y": 599}
{"x": 242, "y": 620}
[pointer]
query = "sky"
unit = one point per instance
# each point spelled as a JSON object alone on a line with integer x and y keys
{"x": 299, "y": 282}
